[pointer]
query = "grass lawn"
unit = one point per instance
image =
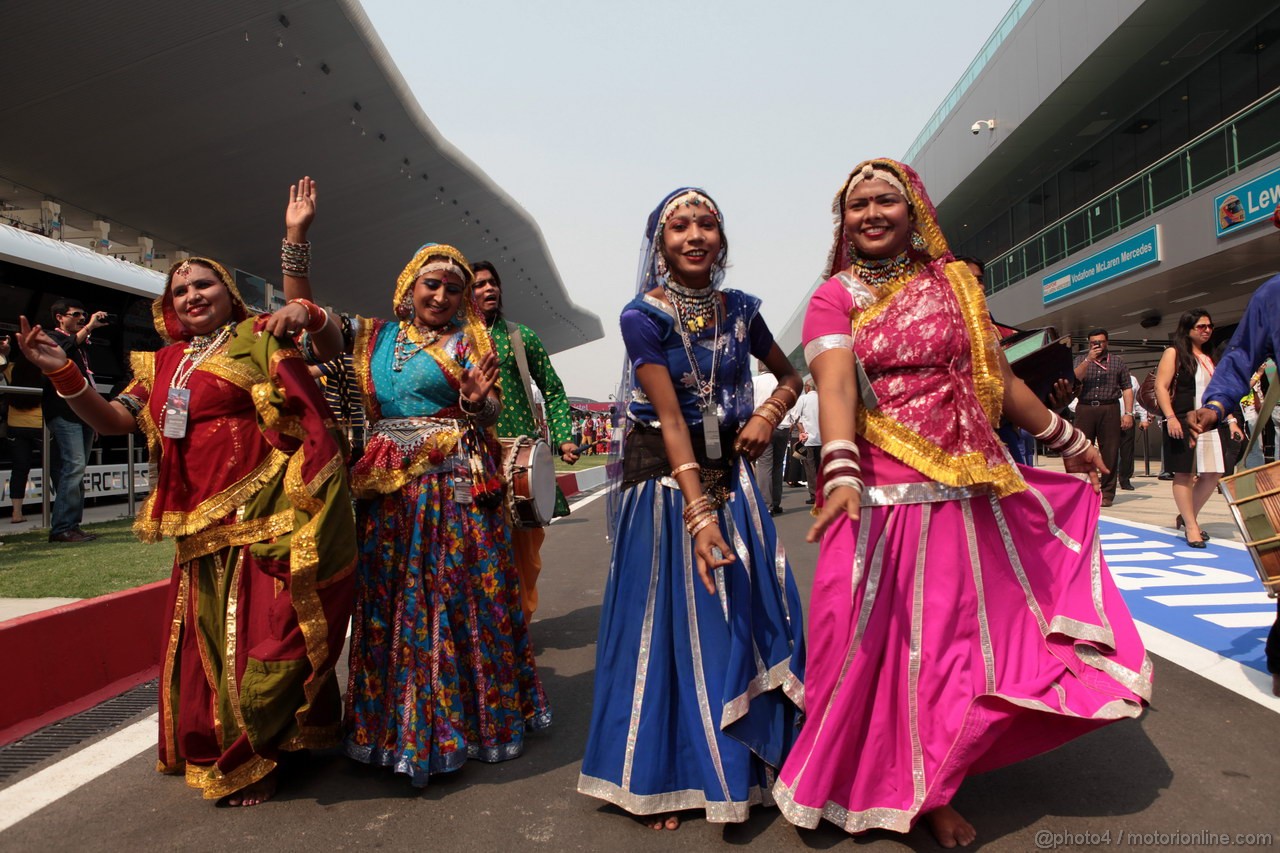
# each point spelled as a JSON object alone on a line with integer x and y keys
{"x": 583, "y": 463}
{"x": 33, "y": 567}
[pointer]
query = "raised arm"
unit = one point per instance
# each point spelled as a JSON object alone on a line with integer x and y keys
{"x": 295, "y": 269}
{"x": 105, "y": 418}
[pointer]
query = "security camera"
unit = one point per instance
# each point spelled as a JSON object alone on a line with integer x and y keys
{"x": 976, "y": 128}
{"x": 1150, "y": 321}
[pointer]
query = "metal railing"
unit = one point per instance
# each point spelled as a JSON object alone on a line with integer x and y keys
{"x": 46, "y": 485}
{"x": 1229, "y": 146}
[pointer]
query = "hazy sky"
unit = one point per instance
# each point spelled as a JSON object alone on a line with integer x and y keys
{"x": 588, "y": 113}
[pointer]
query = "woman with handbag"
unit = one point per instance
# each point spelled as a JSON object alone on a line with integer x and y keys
{"x": 1183, "y": 374}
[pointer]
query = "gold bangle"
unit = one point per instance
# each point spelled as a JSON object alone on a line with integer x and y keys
{"x": 688, "y": 466}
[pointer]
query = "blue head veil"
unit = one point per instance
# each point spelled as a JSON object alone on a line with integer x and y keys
{"x": 652, "y": 273}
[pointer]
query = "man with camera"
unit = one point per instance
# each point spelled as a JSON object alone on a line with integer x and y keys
{"x": 1105, "y": 407}
{"x": 71, "y": 436}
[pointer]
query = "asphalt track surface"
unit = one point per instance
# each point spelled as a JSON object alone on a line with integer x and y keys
{"x": 1202, "y": 760}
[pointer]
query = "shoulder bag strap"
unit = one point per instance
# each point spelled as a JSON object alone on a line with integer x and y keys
{"x": 522, "y": 362}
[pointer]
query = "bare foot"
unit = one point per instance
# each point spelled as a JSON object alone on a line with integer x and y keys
{"x": 659, "y": 822}
{"x": 950, "y": 828}
{"x": 257, "y": 793}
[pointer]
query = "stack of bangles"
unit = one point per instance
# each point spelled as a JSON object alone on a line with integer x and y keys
{"x": 840, "y": 467}
{"x": 68, "y": 381}
{"x": 317, "y": 317}
{"x": 1061, "y": 437}
{"x": 773, "y": 409}
{"x": 698, "y": 515}
{"x": 295, "y": 259}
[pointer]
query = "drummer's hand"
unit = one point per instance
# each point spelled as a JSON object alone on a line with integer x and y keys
{"x": 39, "y": 348}
{"x": 754, "y": 438}
{"x": 709, "y": 538}
{"x": 1201, "y": 420}
{"x": 1089, "y": 462}
{"x": 479, "y": 380}
{"x": 569, "y": 452}
{"x": 300, "y": 210}
{"x": 287, "y": 321}
{"x": 842, "y": 500}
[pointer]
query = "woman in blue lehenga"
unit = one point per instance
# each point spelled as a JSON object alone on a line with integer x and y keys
{"x": 698, "y": 690}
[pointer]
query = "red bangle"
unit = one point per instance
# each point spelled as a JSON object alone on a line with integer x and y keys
{"x": 317, "y": 317}
{"x": 68, "y": 379}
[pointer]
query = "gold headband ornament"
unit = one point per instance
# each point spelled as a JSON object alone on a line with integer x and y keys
{"x": 439, "y": 265}
{"x": 870, "y": 173}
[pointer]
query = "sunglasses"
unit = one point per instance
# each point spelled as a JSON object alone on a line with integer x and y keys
{"x": 1205, "y": 326}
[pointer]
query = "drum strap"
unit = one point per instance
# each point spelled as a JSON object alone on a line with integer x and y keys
{"x": 522, "y": 362}
{"x": 1264, "y": 411}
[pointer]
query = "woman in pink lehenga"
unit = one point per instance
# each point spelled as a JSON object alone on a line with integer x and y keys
{"x": 962, "y": 616}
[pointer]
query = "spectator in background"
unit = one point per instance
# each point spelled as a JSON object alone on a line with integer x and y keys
{"x": 24, "y": 424}
{"x": 806, "y": 415}
{"x": 1128, "y": 438}
{"x": 1105, "y": 405}
{"x": 1181, "y": 382}
{"x": 768, "y": 467}
{"x": 71, "y": 436}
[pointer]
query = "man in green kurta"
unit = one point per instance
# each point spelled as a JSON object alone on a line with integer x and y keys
{"x": 519, "y": 416}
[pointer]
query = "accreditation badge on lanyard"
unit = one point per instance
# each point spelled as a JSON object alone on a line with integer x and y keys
{"x": 711, "y": 429}
{"x": 176, "y": 409}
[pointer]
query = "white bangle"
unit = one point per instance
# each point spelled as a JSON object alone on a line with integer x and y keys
{"x": 831, "y": 485}
{"x": 83, "y": 388}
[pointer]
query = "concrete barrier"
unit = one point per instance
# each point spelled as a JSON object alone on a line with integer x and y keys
{"x": 62, "y": 661}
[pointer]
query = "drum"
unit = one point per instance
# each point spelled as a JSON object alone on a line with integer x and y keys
{"x": 529, "y": 469}
{"x": 1254, "y": 498}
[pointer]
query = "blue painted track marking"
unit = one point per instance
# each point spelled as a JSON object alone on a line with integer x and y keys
{"x": 1212, "y": 597}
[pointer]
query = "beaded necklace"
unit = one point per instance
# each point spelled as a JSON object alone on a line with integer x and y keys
{"x": 197, "y": 352}
{"x": 410, "y": 340}
{"x": 685, "y": 324}
{"x": 881, "y": 272}
{"x": 697, "y": 307}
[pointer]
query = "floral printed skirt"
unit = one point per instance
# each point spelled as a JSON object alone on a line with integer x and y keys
{"x": 442, "y": 667}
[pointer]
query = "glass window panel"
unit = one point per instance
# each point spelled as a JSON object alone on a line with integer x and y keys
{"x": 1204, "y": 97}
{"x": 1239, "y": 63}
{"x": 1174, "y": 128}
{"x": 1258, "y": 134}
{"x": 1209, "y": 160}
{"x": 1031, "y": 260}
{"x": 1168, "y": 183}
{"x": 1076, "y": 227}
{"x": 1102, "y": 218}
{"x": 1053, "y": 248}
{"x": 1132, "y": 200}
{"x": 1269, "y": 53}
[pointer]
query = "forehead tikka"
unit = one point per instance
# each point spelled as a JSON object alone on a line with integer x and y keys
{"x": 691, "y": 198}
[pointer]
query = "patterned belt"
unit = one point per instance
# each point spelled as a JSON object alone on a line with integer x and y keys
{"x": 408, "y": 434}
{"x": 918, "y": 493}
